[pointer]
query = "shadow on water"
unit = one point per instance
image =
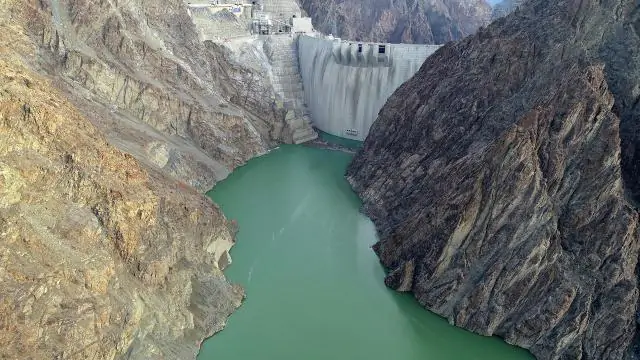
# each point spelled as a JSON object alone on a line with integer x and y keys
{"x": 438, "y": 328}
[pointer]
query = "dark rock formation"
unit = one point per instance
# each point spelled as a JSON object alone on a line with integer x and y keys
{"x": 497, "y": 181}
{"x": 407, "y": 21}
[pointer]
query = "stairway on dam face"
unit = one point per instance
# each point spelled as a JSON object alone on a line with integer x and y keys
{"x": 287, "y": 82}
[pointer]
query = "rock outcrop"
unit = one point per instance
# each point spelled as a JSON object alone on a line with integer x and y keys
{"x": 505, "y": 8}
{"x": 112, "y": 116}
{"x": 406, "y": 21}
{"x": 141, "y": 74}
{"x": 98, "y": 257}
{"x": 502, "y": 179}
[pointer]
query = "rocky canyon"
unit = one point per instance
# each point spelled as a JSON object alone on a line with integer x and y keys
{"x": 406, "y": 21}
{"x": 503, "y": 180}
{"x": 114, "y": 118}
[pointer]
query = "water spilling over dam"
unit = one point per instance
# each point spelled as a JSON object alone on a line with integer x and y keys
{"x": 346, "y": 83}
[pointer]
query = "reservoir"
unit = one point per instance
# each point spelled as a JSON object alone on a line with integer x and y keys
{"x": 314, "y": 287}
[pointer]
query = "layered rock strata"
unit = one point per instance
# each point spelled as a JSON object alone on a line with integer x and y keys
{"x": 112, "y": 116}
{"x": 141, "y": 74}
{"x": 99, "y": 257}
{"x": 502, "y": 179}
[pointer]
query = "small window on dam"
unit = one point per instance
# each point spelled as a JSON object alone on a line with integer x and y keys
{"x": 359, "y": 48}
{"x": 381, "y": 49}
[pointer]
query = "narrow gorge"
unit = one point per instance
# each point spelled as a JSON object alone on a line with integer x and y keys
{"x": 172, "y": 169}
{"x": 108, "y": 250}
{"x": 502, "y": 179}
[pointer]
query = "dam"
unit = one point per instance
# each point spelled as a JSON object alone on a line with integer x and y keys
{"x": 315, "y": 289}
{"x": 346, "y": 83}
{"x": 334, "y": 85}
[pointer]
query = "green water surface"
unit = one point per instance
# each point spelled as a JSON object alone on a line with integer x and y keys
{"x": 314, "y": 287}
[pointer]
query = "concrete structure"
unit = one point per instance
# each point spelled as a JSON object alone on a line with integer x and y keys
{"x": 340, "y": 85}
{"x": 237, "y": 8}
{"x": 262, "y": 23}
{"x": 280, "y": 17}
{"x": 301, "y": 25}
{"x": 262, "y": 17}
{"x": 265, "y": 24}
{"x": 273, "y": 56}
{"x": 287, "y": 83}
{"x": 346, "y": 83}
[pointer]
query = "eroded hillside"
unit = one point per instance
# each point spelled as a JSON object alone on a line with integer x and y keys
{"x": 98, "y": 256}
{"x": 503, "y": 179}
{"x": 109, "y": 113}
{"x": 139, "y": 72}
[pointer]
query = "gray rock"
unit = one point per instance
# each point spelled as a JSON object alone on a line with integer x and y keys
{"x": 115, "y": 118}
{"x": 505, "y": 8}
{"x": 141, "y": 74}
{"x": 503, "y": 176}
{"x": 422, "y": 22}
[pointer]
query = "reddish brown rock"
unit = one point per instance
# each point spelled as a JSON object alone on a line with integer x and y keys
{"x": 104, "y": 253}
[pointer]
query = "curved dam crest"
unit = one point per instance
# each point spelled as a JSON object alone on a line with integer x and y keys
{"x": 346, "y": 83}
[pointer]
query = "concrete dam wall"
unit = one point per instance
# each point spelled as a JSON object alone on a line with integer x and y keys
{"x": 346, "y": 83}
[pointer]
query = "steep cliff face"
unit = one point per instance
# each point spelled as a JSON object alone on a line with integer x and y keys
{"x": 406, "y": 21}
{"x": 99, "y": 258}
{"x": 139, "y": 72}
{"x": 495, "y": 177}
{"x": 108, "y": 253}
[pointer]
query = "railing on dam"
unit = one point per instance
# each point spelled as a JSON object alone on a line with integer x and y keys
{"x": 352, "y": 53}
{"x": 346, "y": 83}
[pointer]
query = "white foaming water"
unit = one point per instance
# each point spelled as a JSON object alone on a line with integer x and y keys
{"x": 346, "y": 83}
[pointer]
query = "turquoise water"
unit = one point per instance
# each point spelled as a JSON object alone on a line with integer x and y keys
{"x": 314, "y": 287}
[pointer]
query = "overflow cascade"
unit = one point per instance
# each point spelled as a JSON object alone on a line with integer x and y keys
{"x": 347, "y": 83}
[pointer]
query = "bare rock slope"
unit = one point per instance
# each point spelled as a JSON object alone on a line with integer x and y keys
{"x": 406, "y": 21}
{"x": 113, "y": 119}
{"x": 502, "y": 176}
{"x": 98, "y": 257}
{"x": 140, "y": 73}
{"x": 504, "y": 8}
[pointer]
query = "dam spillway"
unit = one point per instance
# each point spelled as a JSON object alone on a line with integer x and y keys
{"x": 346, "y": 83}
